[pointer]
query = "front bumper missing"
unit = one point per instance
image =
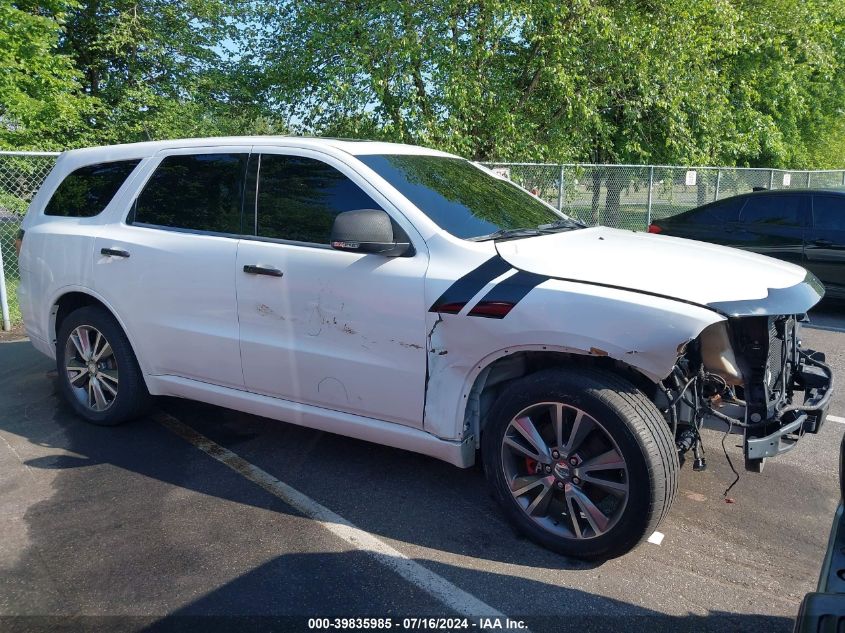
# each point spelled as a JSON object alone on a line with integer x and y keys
{"x": 816, "y": 379}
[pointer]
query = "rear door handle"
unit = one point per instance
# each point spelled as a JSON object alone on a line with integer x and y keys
{"x": 262, "y": 270}
{"x": 822, "y": 242}
{"x": 114, "y": 252}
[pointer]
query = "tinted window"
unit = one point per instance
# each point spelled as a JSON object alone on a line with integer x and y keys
{"x": 773, "y": 210}
{"x": 459, "y": 197}
{"x": 829, "y": 212}
{"x": 200, "y": 192}
{"x": 716, "y": 213}
{"x": 298, "y": 198}
{"x": 86, "y": 191}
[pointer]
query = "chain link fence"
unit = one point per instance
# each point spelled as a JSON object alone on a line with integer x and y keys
{"x": 21, "y": 174}
{"x": 625, "y": 196}
{"x": 631, "y": 196}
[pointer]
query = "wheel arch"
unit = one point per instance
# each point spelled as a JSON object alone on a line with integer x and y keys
{"x": 487, "y": 377}
{"x": 71, "y": 298}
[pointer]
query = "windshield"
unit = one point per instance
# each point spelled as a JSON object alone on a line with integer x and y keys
{"x": 465, "y": 200}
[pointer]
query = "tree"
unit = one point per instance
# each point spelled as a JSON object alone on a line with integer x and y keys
{"x": 41, "y": 103}
{"x": 161, "y": 68}
{"x": 712, "y": 81}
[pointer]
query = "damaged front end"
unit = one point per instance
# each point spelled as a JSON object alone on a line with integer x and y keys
{"x": 749, "y": 372}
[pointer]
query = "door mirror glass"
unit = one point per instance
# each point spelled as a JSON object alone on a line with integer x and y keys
{"x": 369, "y": 231}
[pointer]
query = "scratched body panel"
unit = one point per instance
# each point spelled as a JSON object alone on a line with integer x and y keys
{"x": 386, "y": 349}
{"x": 644, "y": 332}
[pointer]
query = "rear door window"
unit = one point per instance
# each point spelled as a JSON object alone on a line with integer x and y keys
{"x": 774, "y": 210}
{"x": 299, "y": 198}
{"x": 716, "y": 213}
{"x": 829, "y": 212}
{"x": 198, "y": 192}
{"x": 86, "y": 191}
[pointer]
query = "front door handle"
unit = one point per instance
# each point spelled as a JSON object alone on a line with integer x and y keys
{"x": 114, "y": 252}
{"x": 822, "y": 242}
{"x": 253, "y": 269}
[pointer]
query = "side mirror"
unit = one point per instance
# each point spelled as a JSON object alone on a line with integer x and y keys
{"x": 368, "y": 231}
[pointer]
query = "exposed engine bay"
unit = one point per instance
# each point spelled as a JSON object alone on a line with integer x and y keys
{"x": 747, "y": 374}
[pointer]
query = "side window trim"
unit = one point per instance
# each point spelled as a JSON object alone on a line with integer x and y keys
{"x": 250, "y": 195}
{"x": 138, "y": 187}
{"x": 279, "y": 240}
{"x": 176, "y": 229}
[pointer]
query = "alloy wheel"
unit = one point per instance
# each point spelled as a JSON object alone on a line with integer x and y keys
{"x": 564, "y": 470}
{"x": 91, "y": 368}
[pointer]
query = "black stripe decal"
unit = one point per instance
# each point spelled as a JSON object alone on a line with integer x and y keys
{"x": 506, "y": 294}
{"x": 459, "y": 293}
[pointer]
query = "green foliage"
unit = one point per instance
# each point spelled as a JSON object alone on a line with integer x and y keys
{"x": 161, "y": 69}
{"x": 40, "y": 101}
{"x": 712, "y": 81}
{"x": 746, "y": 82}
{"x": 91, "y": 72}
{"x": 14, "y": 307}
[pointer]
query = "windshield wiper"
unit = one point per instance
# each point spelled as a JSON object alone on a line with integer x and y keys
{"x": 505, "y": 234}
{"x": 563, "y": 223}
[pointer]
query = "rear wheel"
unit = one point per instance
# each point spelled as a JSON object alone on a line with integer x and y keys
{"x": 98, "y": 373}
{"x": 582, "y": 463}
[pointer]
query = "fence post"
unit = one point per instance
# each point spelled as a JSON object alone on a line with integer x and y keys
{"x": 4, "y": 300}
{"x": 718, "y": 182}
{"x": 560, "y": 191}
{"x": 650, "y": 185}
{"x": 771, "y": 178}
{"x": 809, "y": 173}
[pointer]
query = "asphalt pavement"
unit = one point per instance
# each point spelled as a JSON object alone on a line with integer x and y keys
{"x": 200, "y": 517}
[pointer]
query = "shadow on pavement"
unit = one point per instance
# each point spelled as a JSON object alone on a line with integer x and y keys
{"x": 248, "y": 596}
{"x": 123, "y": 530}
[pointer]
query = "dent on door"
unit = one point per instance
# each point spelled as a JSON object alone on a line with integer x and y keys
{"x": 340, "y": 330}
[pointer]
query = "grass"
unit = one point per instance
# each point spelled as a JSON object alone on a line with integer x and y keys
{"x": 14, "y": 308}
{"x": 629, "y": 216}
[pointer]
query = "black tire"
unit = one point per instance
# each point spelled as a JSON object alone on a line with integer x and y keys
{"x": 132, "y": 399}
{"x": 629, "y": 419}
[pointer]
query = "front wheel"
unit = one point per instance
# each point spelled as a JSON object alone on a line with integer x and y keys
{"x": 582, "y": 462}
{"x": 98, "y": 373}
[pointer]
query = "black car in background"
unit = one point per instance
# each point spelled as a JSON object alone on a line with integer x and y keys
{"x": 803, "y": 226}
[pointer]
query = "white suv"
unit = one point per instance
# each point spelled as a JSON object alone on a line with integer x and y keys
{"x": 408, "y": 297}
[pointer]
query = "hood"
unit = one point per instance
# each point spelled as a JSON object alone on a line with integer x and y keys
{"x": 730, "y": 281}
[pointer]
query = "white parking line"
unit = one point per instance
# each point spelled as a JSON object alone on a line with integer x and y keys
{"x": 438, "y": 587}
{"x": 836, "y": 418}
